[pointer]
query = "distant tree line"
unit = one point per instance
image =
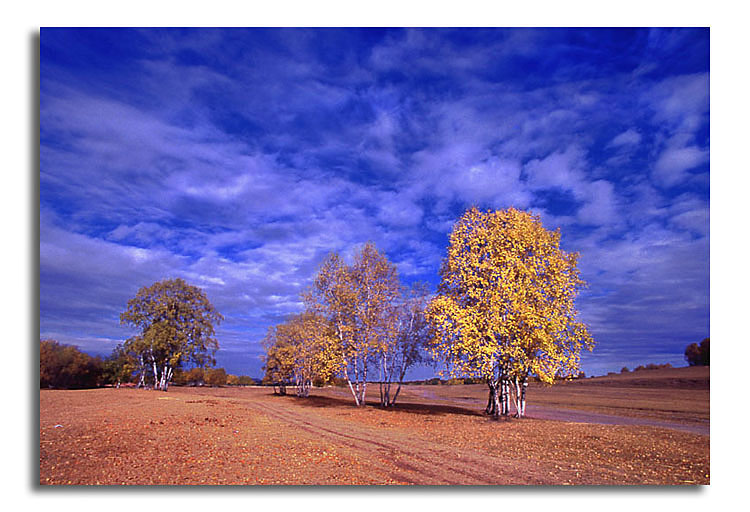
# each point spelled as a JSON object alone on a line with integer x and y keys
{"x": 649, "y": 366}
{"x": 66, "y": 367}
{"x": 211, "y": 377}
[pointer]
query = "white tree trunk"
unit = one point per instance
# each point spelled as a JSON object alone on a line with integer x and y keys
{"x": 364, "y": 385}
{"x": 351, "y": 387}
{"x": 156, "y": 374}
{"x": 516, "y": 397}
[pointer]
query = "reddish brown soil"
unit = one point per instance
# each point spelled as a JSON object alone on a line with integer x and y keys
{"x": 676, "y": 398}
{"x": 250, "y": 436}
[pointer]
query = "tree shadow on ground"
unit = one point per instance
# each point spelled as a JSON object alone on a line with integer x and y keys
{"x": 426, "y": 409}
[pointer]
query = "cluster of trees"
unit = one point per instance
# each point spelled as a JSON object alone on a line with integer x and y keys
{"x": 176, "y": 325}
{"x": 698, "y": 355}
{"x": 358, "y": 320}
{"x": 66, "y": 367}
{"x": 300, "y": 351}
{"x": 641, "y": 367}
{"x": 201, "y": 377}
{"x": 210, "y": 377}
{"x": 176, "y": 329}
{"x": 504, "y": 312}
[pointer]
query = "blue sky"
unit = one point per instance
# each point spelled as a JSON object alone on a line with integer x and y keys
{"x": 237, "y": 159}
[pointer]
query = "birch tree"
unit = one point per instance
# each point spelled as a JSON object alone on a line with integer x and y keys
{"x": 176, "y": 323}
{"x": 358, "y": 300}
{"x": 406, "y": 348}
{"x": 505, "y": 307}
{"x": 278, "y": 360}
{"x": 316, "y": 351}
{"x": 302, "y": 349}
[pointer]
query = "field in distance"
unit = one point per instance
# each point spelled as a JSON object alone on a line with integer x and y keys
{"x": 647, "y": 427}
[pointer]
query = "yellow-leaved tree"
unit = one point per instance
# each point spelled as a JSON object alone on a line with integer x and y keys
{"x": 314, "y": 350}
{"x": 505, "y": 307}
{"x": 359, "y": 302}
{"x": 301, "y": 350}
{"x": 278, "y": 361}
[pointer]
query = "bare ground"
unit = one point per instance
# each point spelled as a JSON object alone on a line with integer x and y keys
{"x": 249, "y": 436}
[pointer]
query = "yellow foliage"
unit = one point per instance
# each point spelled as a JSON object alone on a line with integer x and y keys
{"x": 506, "y": 301}
{"x": 302, "y": 349}
{"x": 359, "y": 302}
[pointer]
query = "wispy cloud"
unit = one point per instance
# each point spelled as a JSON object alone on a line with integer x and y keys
{"x": 238, "y": 159}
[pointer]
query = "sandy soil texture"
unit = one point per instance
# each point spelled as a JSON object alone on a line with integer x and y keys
{"x": 249, "y": 436}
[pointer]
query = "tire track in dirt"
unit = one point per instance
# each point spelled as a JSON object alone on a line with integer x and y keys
{"x": 413, "y": 460}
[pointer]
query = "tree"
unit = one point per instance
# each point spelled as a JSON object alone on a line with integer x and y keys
{"x": 698, "y": 355}
{"x": 505, "y": 307}
{"x": 358, "y": 302}
{"x": 66, "y": 367}
{"x": 315, "y": 350}
{"x": 195, "y": 376}
{"x": 705, "y": 356}
{"x": 406, "y": 348}
{"x": 246, "y": 380}
{"x": 176, "y": 323}
{"x": 303, "y": 349}
{"x": 278, "y": 360}
{"x": 216, "y": 377}
{"x": 119, "y": 366}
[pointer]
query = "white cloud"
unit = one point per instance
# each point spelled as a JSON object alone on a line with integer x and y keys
{"x": 629, "y": 137}
{"x": 680, "y": 103}
{"x": 672, "y": 166}
{"x": 397, "y": 210}
{"x": 600, "y": 204}
{"x": 562, "y": 170}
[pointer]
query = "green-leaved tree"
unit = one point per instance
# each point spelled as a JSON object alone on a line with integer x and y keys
{"x": 176, "y": 323}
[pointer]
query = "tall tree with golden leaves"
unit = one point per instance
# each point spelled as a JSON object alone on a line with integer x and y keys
{"x": 505, "y": 308}
{"x": 359, "y": 302}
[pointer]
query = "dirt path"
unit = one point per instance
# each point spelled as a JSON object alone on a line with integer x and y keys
{"x": 403, "y": 457}
{"x": 578, "y": 416}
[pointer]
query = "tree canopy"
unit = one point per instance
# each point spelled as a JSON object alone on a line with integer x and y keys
{"x": 303, "y": 349}
{"x": 505, "y": 307}
{"x": 698, "y": 355}
{"x": 64, "y": 366}
{"x": 177, "y": 326}
{"x": 358, "y": 301}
